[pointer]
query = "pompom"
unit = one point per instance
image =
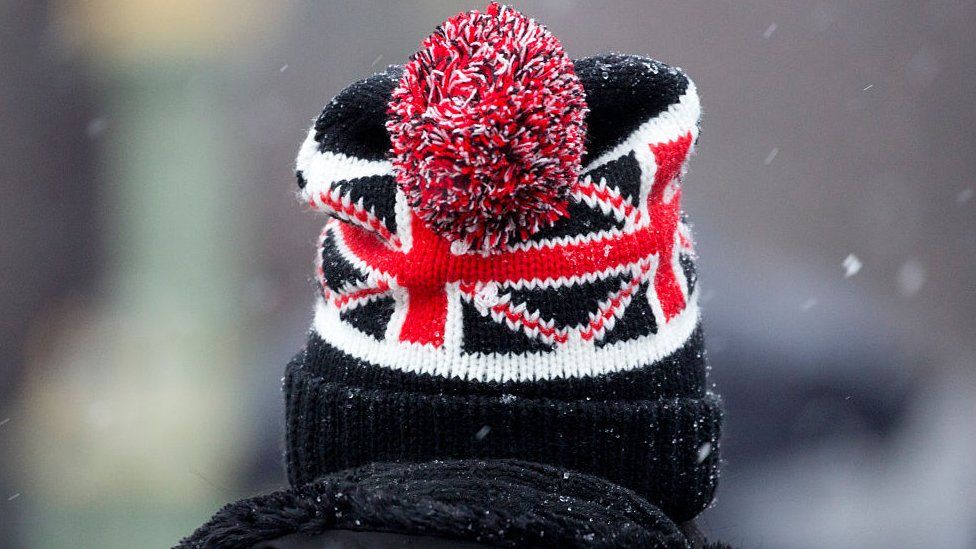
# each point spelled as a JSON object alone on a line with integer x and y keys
{"x": 487, "y": 126}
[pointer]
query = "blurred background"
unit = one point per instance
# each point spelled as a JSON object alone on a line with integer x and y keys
{"x": 155, "y": 267}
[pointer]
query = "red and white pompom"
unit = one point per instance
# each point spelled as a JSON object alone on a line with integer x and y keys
{"x": 487, "y": 126}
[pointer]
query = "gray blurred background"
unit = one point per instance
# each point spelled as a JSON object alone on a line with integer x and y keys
{"x": 155, "y": 267}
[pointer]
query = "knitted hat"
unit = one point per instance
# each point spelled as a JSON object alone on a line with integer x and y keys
{"x": 506, "y": 273}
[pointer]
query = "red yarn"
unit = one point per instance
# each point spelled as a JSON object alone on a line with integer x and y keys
{"x": 487, "y": 126}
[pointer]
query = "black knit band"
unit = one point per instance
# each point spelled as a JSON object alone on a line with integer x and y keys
{"x": 665, "y": 449}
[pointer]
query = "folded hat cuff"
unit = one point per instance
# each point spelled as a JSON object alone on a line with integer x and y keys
{"x": 664, "y": 449}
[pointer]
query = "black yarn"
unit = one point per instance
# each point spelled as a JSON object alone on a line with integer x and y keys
{"x": 665, "y": 449}
{"x": 338, "y": 272}
{"x": 581, "y": 219}
{"x": 377, "y": 194}
{"x": 689, "y": 270}
{"x": 638, "y": 321}
{"x": 501, "y": 503}
{"x": 622, "y": 92}
{"x": 680, "y": 374}
{"x": 569, "y": 305}
{"x": 484, "y": 335}
{"x": 353, "y": 123}
{"x": 372, "y": 317}
{"x": 623, "y": 173}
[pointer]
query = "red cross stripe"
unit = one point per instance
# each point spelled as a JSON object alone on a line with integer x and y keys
{"x": 664, "y": 220}
{"x": 428, "y": 266}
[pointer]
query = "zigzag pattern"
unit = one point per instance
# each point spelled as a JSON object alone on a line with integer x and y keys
{"x": 518, "y": 316}
{"x": 338, "y": 204}
{"x": 607, "y": 199}
{"x": 567, "y": 287}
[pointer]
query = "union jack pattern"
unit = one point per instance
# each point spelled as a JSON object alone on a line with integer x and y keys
{"x": 611, "y": 286}
{"x": 506, "y": 272}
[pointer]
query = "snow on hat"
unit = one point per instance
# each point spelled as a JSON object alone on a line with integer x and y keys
{"x": 506, "y": 271}
{"x": 507, "y": 346}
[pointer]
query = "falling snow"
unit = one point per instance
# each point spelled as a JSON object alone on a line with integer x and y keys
{"x": 283, "y": 68}
{"x": 704, "y": 451}
{"x": 824, "y": 15}
{"x": 96, "y": 127}
{"x": 482, "y": 433}
{"x": 770, "y": 30}
{"x": 99, "y": 415}
{"x": 808, "y": 304}
{"x": 771, "y": 156}
{"x": 923, "y": 67}
{"x": 852, "y": 265}
{"x": 964, "y": 196}
{"x": 487, "y": 297}
{"x": 911, "y": 278}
